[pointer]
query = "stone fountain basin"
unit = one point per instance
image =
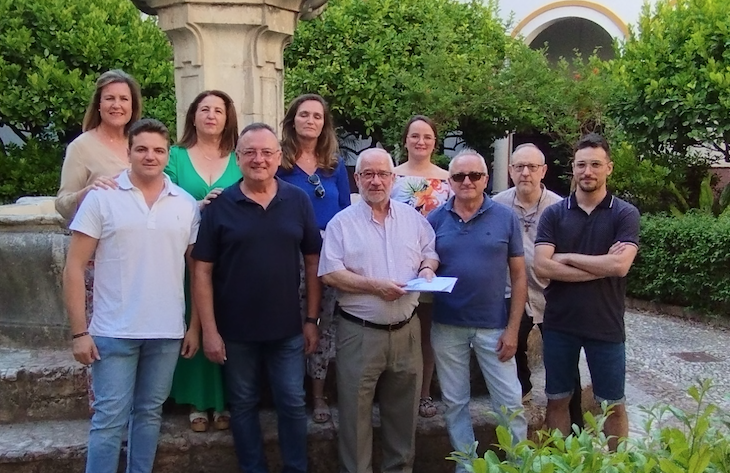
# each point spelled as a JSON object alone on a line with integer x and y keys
{"x": 33, "y": 245}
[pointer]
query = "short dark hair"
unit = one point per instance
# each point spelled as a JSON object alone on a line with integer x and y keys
{"x": 148, "y": 125}
{"x": 230, "y": 130}
{"x": 255, "y": 127}
{"x": 593, "y": 140}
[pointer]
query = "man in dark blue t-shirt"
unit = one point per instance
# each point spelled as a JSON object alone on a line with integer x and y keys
{"x": 585, "y": 245}
{"x": 246, "y": 292}
{"x": 477, "y": 240}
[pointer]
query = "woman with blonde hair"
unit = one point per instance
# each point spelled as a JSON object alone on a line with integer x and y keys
{"x": 424, "y": 186}
{"x": 310, "y": 162}
{"x": 97, "y": 156}
{"x": 203, "y": 163}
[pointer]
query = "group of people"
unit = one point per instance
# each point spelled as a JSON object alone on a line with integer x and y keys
{"x": 248, "y": 247}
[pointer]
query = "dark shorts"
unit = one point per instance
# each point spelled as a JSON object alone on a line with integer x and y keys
{"x": 606, "y": 363}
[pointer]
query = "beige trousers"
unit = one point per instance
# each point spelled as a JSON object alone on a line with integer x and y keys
{"x": 366, "y": 356}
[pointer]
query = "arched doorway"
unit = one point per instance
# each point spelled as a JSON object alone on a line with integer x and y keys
{"x": 564, "y": 36}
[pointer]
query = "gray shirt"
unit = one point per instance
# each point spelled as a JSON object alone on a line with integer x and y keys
{"x": 529, "y": 218}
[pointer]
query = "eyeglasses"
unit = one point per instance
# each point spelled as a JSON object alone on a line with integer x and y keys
{"x": 251, "y": 153}
{"x": 315, "y": 181}
{"x": 369, "y": 175}
{"x": 583, "y": 165}
{"x": 531, "y": 167}
{"x": 473, "y": 176}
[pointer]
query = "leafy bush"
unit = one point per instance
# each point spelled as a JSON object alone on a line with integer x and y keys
{"x": 684, "y": 261}
{"x": 31, "y": 170}
{"x": 676, "y": 441}
{"x": 639, "y": 181}
{"x": 673, "y": 82}
{"x": 379, "y": 62}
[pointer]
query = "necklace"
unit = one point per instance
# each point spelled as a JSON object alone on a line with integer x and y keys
{"x": 528, "y": 222}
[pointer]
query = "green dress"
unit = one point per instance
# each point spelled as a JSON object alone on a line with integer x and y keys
{"x": 197, "y": 380}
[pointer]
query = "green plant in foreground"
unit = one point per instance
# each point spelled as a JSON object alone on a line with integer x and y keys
{"x": 676, "y": 441}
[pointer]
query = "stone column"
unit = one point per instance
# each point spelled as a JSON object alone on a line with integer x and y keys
{"x": 500, "y": 177}
{"x": 233, "y": 45}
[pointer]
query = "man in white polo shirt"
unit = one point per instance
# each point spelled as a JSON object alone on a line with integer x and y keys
{"x": 138, "y": 235}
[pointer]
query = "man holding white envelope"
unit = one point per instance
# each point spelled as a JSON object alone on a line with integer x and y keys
{"x": 370, "y": 251}
{"x": 477, "y": 240}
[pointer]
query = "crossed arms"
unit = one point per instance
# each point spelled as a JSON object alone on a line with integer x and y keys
{"x": 576, "y": 267}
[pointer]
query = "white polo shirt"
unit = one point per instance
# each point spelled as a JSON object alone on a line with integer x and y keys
{"x": 140, "y": 259}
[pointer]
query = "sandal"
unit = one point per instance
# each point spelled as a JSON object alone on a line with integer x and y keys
{"x": 198, "y": 421}
{"x": 321, "y": 414}
{"x": 426, "y": 408}
{"x": 222, "y": 420}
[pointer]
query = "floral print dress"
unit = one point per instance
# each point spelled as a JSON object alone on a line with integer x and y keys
{"x": 422, "y": 193}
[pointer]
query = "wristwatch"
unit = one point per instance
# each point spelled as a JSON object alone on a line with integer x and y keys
{"x": 312, "y": 320}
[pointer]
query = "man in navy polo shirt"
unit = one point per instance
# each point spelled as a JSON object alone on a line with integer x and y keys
{"x": 477, "y": 240}
{"x": 246, "y": 291}
{"x": 585, "y": 245}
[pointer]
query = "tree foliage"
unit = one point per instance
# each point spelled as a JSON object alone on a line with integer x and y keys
{"x": 52, "y": 52}
{"x": 379, "y": 62}
{"x": 674, "y": 78}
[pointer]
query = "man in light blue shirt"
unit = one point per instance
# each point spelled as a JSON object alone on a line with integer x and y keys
{"x": 477, "y": 240}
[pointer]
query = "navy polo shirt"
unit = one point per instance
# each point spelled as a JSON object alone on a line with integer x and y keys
{"x": 477, "y": 252}
{"x": 256, "y": 256}
{"x": 591, "y": 309}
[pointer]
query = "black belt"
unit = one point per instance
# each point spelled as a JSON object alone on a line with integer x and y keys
{"x": 368, "y": 324}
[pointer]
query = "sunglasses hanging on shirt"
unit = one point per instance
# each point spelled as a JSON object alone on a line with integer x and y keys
{"x": 317, "y": 183}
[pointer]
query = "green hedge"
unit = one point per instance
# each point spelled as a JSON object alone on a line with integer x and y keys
{"x": 684, "y": 261}
{"x": 34, "y": 169}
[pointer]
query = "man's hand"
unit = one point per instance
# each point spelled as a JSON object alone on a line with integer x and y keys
{"x": 427, "y": 274}
{"x": 191, "y": 343}
{"x": 507, "y": 345}
{"x": 389, "y": 290}
{"x": 84, "y": 350}
{"x": 617, "y": 248}
{"x": 311, "y": 338}
{"x": 214, "y": 348}
{"x": 561, "y": 258}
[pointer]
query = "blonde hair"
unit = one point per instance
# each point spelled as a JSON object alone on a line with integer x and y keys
{"x": 92, "y": 118}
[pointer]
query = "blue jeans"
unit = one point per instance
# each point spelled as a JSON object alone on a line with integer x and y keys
{"x": 284, "y": 361}
{"x": 131, "y": 381}
{"x": 606, "y": 362}
{"x": 452, "y": 350}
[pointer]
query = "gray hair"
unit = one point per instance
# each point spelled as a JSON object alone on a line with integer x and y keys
{"x": 525, "y": 146}
{"x": 468, "y": 152}
{"x": 365, "y": 152}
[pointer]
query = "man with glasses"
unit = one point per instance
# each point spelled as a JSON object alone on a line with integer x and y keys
{"x": 528, "y": 199}
{"x": 371, "y": 249}
{"x": 585, "y": 245}
{"x": 246, "y": 292}
{"x": 477, "y": 241}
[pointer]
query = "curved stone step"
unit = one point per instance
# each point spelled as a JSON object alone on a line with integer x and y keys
{"x": 60, "y": 446}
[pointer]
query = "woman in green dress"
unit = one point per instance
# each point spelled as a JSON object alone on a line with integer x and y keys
{"x": 203, "y": 163}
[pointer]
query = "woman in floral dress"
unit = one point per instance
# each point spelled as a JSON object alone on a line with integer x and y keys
{"x": 424, "y": 186}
